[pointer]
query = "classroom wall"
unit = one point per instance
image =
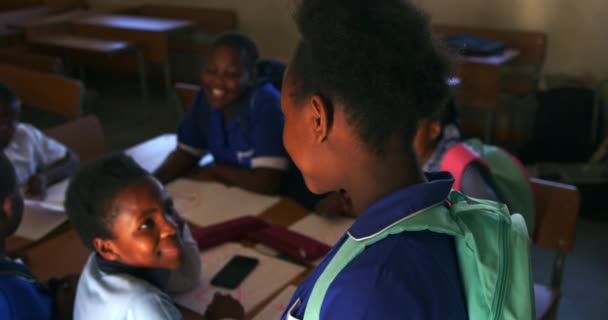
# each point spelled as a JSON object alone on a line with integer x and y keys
{"x": 576, "y": 43}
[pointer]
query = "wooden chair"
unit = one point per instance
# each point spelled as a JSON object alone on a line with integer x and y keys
{"x": 48, "y": 92}
{"x": 84, "y": 136}
{"x": 557, "y": 209}
{"x": 186, "y": 93}
{"x": 30, "y": 60}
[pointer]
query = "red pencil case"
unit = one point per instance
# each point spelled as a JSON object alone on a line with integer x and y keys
{"x": 230, "y": 230}
{"x": 295, "y": 245}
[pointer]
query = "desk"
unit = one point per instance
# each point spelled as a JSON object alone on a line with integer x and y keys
{"x": 84, "y": 45}
{"x": 480, "y": 84}
{"x": 152, "y": 33}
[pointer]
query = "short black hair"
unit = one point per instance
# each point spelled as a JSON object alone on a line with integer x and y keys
{"x": 241, "y": 43}
{"x": 378, "y": 58}
{"x": 91, "y": 193}
{"x": 8, "y": 97}
{"x": 8, "y": 177}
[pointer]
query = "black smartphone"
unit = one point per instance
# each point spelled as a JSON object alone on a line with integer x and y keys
{"x": 234, "y": 272}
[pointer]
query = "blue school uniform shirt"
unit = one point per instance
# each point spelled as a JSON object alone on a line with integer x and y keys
{"x": 260, "y": 147}
{"x": 410, "y": 275}
{"x": 23, "y": 299}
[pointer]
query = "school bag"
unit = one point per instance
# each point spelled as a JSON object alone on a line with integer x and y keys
{"x": 492, "y": 251}
{"x": 508, "y": 176}
{"x": 471, "y": 45}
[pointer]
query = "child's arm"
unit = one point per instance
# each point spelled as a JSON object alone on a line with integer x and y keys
{"x": 56, "y": 171}
{"x": 176, "y": 164}
{"x": 186, "y": 277}
{"x": 260, "y": 180}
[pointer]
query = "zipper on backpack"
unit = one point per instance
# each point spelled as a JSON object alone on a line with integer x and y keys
{"x": 504, "y": 269}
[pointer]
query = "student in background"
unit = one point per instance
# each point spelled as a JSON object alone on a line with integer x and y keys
{"x": 236, "y": 119}
{"x": 141, "y": 248}
{"x": 361, "y": 77}
{"x": 22, "y": 296}
{"x": 38, "y": 160}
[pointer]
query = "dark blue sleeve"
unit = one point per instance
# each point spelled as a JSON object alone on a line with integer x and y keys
{"x": 267, "y": 131}
{"x": 359, "y": 296}
{"x": 190, "y": 134}
{"x": 413, "y": 275}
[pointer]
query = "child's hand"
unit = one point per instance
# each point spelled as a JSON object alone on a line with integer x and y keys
{"x": 36, "y": 186}
{"x": 224, "y": 307}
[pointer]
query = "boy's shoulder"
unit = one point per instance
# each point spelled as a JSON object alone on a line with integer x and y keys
{"x": 103, "y": 293}
{"x": 26, "y": 131}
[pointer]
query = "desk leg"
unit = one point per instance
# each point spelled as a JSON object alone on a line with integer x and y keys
{"x": 488, "y": 128}
{"x": 167, "y": 78}
{"x": 143, "y": 79}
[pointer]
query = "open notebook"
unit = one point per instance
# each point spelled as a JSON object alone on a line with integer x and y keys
{"x": 205, "y": 203}
{"x": 269, "y": 276}
{"x": 39, "y": 219}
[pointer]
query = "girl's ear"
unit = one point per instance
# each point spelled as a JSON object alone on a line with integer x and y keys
{"x": 106, "y": 249}
{"x": 7, "y": 208}
{"x": 434, "y": 130}
{"x": 319, "y": 120}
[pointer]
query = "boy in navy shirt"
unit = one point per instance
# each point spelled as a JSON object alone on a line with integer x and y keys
{"x": 22, "y": 296}
{"x": 236, "y": 119}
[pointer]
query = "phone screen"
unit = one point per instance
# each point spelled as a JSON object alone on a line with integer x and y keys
{"x": 234, "y": 272}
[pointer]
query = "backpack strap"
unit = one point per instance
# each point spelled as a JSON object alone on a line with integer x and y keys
{"x": 479, "y": 282}
{"x": 437, "y": 216}
{"x": 456, "y": 159}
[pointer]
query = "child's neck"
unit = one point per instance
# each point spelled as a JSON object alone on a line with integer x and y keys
{"x": 377, "y": 177}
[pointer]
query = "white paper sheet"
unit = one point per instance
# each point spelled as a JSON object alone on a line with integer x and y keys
{"x": 326, "y": 230}
{"x": 205, "y": 203}
{"x": 275, "y": 308}
{"x": 39, "y": 219}
{"x": 269, "y": 276}
{"x": 151, "y": 153}
{"x": 55, "y": 194}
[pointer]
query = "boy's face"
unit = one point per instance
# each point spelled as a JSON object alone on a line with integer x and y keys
{"x": 8, "y": 123}
{"x": 144, "y": 228}
{"x": 224, "y": 77}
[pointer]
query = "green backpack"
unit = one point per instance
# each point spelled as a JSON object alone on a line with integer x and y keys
{"x": 508, "y": 176}
{"x": 492, "y": 249}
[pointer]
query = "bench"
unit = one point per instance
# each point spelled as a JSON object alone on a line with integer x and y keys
{"x": 52, "y": 93}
